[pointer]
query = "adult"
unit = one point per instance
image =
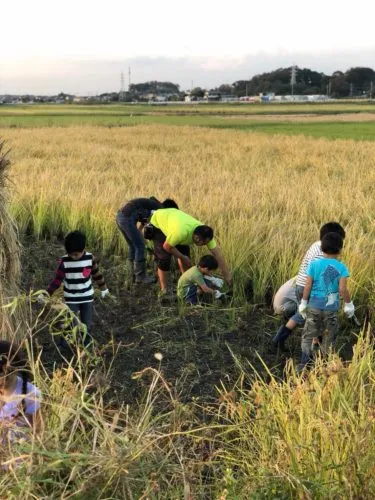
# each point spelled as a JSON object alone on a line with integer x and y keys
{"x": 174, "y": 232}
{"x": 137, "y": 211}
{"x": 285, "y": 302}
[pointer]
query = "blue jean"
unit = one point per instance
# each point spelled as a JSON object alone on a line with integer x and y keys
{"x": 297, "y": 317}
{"x": 192, "y": 293}
{"x": 134, "y": 239}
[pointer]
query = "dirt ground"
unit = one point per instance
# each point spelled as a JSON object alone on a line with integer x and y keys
{"x": 201, "y": 347}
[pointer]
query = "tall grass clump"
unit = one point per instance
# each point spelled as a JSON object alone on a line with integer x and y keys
{"x": 309, "y": 437}
{"x": 9, "y": 245}
{"x": 90, "y": 444}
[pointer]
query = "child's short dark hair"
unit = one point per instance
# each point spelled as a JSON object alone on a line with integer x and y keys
{"x": 204, "y": 232}
{"x": 75, "y": 242}
{"x": 332, "y": 227}
{"x": 169, "y": 203}
{"x": 208, "y": 262}
{"x": 12, "y": 361}
{"x": 332, "y": 243}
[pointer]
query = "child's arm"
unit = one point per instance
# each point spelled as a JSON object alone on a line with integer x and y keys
{"x": 343, "y": 290}
{"x": 305, "y": 297}
{"x": 349, "y": 308}
{"x": 98, "y": 277}
{"x": 206, "y": 289}
{"x": 307, "y": 289}
{"x": 59, "y": 278}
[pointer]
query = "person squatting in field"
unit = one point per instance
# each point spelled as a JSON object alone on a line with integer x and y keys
{"x": 75, "y": 271}
{"x": 314, "y": 252}
{"x": 134, "y": 213}
{"x": 326, "y": 279}
{"x": 285, "y": 302}
{"x": 198, "y": 280}
{"x": 173, "y": 231}
{"x": 19, "y": 399}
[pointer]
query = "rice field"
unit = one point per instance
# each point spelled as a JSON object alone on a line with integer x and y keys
{"x": 265, "y": 194}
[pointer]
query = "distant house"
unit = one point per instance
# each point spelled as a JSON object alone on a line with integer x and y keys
{"x": 212, "y": 96}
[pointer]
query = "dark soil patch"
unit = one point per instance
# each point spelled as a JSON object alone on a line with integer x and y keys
{"x": 201, "y": 347}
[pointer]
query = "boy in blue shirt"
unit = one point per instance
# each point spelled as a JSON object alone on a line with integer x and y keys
{"x": 325, "y": 283}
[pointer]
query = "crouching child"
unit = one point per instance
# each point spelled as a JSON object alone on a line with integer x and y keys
{"x": 325, "y": 283}
{"x": 198, "y": 280}
{"x": 20, "y": 417}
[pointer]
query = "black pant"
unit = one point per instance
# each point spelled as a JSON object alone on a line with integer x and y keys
{"x": 83, "y": 313}
{"x": 162, "y": 257}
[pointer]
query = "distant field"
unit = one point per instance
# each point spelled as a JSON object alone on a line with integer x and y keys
{"x": 333, "y": 121}
{"x": 191, "y": 109}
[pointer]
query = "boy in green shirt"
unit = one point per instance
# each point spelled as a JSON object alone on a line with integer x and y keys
{"x": 193, "y": 282}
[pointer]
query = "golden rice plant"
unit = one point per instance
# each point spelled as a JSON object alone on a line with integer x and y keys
{"x": 9, "y": 245}
{"x": 309, "y": 437}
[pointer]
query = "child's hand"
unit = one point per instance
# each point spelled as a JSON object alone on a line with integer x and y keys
{"x": 104, "y": 293}
{"x": 302, "y": 308}
{"x": 218, "y": 294}
{"x": 349, "y": 309}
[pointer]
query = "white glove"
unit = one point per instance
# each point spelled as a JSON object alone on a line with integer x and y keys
{"x": 349, "y": 309}
{"x": 215, "y": 281}
{"x": 218, "y": 294}
{"x": 104, "y": 293}
{"x": 42, "y": 299}
{"x": 302, "y": 308}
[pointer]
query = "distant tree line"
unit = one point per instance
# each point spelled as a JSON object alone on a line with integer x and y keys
{"x": 355, "y": 82}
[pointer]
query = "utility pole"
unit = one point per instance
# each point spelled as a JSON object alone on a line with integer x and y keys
{"x": 246, "y": 89}
{"x": 122, "y": 88}
{"x": 129, "y": 78}
{"x": 371, "y": 84}
{"x": 351, "y": 90}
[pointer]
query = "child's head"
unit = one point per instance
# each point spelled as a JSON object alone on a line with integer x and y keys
{"x": 203, "y": 235}
{"x": 75, "y": 243}
{"x": 10, "y": 365}
{"x": 332, "y": 227}
{"x": 207, "y": 264}
{"x": 332, "y": 244}
{"x": 169, "y": 203}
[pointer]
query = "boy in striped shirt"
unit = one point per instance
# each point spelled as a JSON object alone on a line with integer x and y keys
{"x": 314, "y": 252}
{"x": 76, "y": 271}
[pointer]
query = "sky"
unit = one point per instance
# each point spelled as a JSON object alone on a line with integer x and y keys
{"x": 82, "y": 46}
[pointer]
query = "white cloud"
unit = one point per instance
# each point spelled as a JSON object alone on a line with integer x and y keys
{"x": 97, "y": 76}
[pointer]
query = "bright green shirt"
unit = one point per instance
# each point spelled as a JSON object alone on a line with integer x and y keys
{"x": 177, "y": 226}
{"x": 190, "y": 277}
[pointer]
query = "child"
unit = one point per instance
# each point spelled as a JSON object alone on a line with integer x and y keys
{"x": 314, "y": 252}
{"x": 75, "y": 271}
{"x": 325, "y": 283}
{"x": 19, "y": 399}
{"x": 193, "y": 282}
